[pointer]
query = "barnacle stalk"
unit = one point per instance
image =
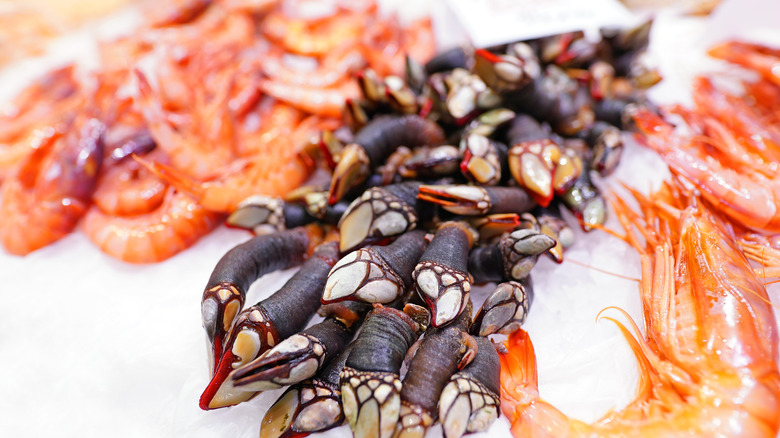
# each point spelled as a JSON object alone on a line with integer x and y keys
{"x": 379, "y": 213}
{"x": 370, "y": 382}
{"x": 376, "y": 274}
{"x": 441, "y": 276}
{"x": 470, "y": 401}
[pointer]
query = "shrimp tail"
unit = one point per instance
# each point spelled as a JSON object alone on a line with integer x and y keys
{"x": 519, "y": 377}
{"x": 528, "y": 415}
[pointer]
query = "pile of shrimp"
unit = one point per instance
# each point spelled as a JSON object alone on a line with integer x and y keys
{"x": 708, "y": 358}
{"x": 730, "y": 152}
{"x": 225, "y": 93}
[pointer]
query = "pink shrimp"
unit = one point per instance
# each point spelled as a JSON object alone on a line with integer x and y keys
{"x": 51, "y": 189}
{"x": 316, "y": 37}
{"x": 175, "y": 225}
{"x": 175, "y": 12}
{"x": 745, "y": 122}
{"x": 52, "y": 98}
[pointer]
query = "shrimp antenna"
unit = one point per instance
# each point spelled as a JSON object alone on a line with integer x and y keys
{"x": 603, "y": 271}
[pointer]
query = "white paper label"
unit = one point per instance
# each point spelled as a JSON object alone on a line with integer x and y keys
{"x": 494, "y": 22}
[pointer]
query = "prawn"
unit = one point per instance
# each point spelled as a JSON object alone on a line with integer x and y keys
{"x": 273, "y": 168}
{"x": 51, "y": 188}
{"x": 757, "y": 57}
{"x": 51, "y": 98}
{"x": 331, "y": 69}
{"x": 127, "y": 188}
{"x": 176, "y": 12}
{"x": 708, "y": 362}
{"x": 175, "y": 225}
{"x": 316, "y": 37}
{"x": 201, "y": 153}
{"x": 748, "y": 198}
{"x": 328, "y": 102}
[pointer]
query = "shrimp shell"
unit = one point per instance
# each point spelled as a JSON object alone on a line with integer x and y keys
{"x": 152, "y": 237}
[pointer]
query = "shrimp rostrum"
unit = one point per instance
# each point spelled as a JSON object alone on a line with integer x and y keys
{"x": 708, "y": 361}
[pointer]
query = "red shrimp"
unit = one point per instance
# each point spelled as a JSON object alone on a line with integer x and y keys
{"x": 51, "y": 189}
{"x": 708, "y": 360}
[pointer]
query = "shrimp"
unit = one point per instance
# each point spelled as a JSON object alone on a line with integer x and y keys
{"x": 154, "y": 236}
{"x": 765, "y": 96}
{"x": 51, "y": 188}
{"x": 179, "y": 12}
{"x": 328, "y": 102}
{"x": 316, "y": 37}
{"x": 708, "y": 362}
{"x": 273, "y": 168}
{"x": 386, "y": 45}
{"x": 744, "y": 121}
{"x": 756, "y": 57}
{"x": 51, "y": 98}
{"x": 201, "y": 153}
{"x": 128, "y": 188}
{"x": 332, "y": 68}
{"x": 748, "y": 198}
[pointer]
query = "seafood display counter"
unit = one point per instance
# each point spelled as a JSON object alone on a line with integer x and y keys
{"x": 93, "y": 345}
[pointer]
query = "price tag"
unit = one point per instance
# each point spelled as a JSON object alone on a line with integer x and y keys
{"x": 493, "y": 22}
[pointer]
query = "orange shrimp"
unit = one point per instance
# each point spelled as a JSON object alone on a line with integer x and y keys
{"x": 13, "y": 154}
{"x": 201, "y": 150}
{"x": 52, "y": 98}
{"x": 708, "y": 361}
{"x": 250, "y": 6}
{"x": 749, "y": 198}
{"x": 316, "y": 37}
{"x": 175, "y": 225}
{"x": 745, "y": 122}
{"x": 334, "y": 67}
{"x": 51, "y": 189}
{"x": 381, "y": 45}
{"x": 175, "y": 12}
{"x": 264, "y": 124}
{"x": 127, "y": 188}
{"x": 757, "y": 57}
{"x": 418, "y": 40}
{"x": 328, "y": 102}
{"x": 765, "y": 96}
{"x": 273, "y": 169}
